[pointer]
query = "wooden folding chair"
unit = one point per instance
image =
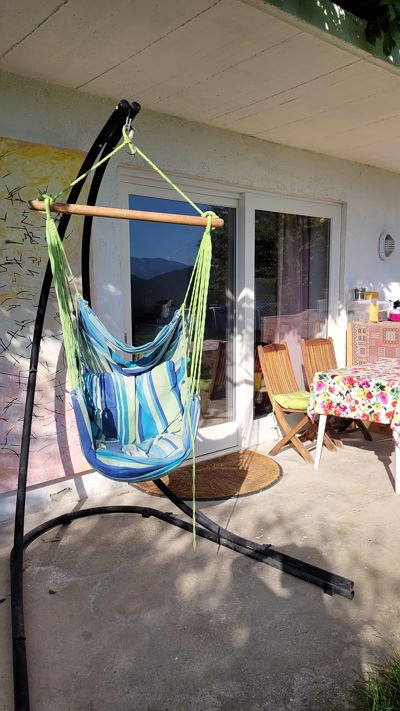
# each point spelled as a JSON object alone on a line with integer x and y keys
{"x": 280, "y": 380}
{"x": 218, "y": 378}
{"x": 217, "y": 387}
{"x": 319, "y": 355}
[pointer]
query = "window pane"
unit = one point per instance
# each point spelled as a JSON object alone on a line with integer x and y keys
{"x": 291, "y": 287}
{"x": 162, "y": 258}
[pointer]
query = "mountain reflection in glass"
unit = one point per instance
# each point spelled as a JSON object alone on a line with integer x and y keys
{"x": 162, "y": 258}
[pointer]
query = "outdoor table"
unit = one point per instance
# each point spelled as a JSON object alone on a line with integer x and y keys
{"x": 369, "y": 392}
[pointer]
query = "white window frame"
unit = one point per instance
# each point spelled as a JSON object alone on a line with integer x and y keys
{"x": 243, "y": 430}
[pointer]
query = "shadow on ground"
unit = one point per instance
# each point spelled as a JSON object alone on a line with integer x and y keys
{"x": 122, "y": 614}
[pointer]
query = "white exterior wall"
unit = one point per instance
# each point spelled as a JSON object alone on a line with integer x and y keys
{"x": 52, "y": 115}
{"x": 56, "y": 116}
{"x": 370, "y": 197}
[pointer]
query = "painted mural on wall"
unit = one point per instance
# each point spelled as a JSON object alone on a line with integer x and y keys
{"x": 26, "y": 170}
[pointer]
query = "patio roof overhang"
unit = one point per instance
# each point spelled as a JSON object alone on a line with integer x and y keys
{"x": 243, "y": 65}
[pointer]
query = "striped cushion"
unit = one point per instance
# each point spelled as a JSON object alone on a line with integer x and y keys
{"x": 161, "y": 447}
{"x": 101, "y": 351}
{"x": 158, "y": 402}
{"x": 112, "y": 406}
{"x": 129, "y": 409}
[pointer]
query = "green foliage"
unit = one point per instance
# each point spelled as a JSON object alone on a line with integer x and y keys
{"x": 383, "y": 20}
{"x": 385, "y": 24}
{"x": 380, "y": 691}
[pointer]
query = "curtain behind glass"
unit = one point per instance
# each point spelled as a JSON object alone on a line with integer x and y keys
{"x": 291, "y": 286}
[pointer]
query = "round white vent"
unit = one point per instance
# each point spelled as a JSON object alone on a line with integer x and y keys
{"x": 386, "y": 245}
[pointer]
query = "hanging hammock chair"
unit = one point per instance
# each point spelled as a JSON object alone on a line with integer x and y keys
{"x": 135, "y": 422}
{"x": 137, "y": 407}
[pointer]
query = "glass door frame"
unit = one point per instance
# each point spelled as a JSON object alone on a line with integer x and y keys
{"x": 243, "y": 430}
{"x": 214, "y": 438}
{"x": 255, "y": 431}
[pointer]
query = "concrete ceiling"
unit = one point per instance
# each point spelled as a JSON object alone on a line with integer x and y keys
{"x": 235, "y": 64}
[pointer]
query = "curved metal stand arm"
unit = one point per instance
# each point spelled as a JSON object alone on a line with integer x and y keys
{"x": 130, "y": 111}
{"x": 330, "y": 583}
{"x": 107, "y": 138}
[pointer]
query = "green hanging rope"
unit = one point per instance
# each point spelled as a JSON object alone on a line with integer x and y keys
{"x": 194, "y": 308}
{"x": 59, "y": 267}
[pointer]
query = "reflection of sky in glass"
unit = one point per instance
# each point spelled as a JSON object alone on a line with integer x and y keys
{"x": 162, "y": 257}
{"x": 177, "y": 243}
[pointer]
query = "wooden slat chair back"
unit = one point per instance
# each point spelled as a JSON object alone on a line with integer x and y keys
{"x": 218, "y": 378}
{"x": 258, "y": 376}
{"x": 280, "y": 379}
{"x": 279, "y": 376}
{"x": 318, "y": 356}
{"x": 217, "y": 386}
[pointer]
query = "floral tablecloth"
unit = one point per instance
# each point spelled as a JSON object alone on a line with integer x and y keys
{"x": 367, "y": 392}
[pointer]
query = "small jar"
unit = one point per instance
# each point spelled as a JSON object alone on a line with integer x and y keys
{"x": 374, "y": 310}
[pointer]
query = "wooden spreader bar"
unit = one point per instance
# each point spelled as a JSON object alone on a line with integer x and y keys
{"x": 120, "y": 213}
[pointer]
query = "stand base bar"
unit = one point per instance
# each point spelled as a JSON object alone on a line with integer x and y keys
{"x": 286, "y": 563}
{"x": 329, "y": 582}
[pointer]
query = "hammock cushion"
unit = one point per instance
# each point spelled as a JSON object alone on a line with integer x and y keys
{"x": 159, "y": 407}
{"x": 128, "y": 409}
{"x": 162, "y": 446}
{"x": 134, "y": 427}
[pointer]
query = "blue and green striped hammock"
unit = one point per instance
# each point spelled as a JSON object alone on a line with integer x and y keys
{"x": 137, "y": 408}
{"x": 134, "y": 418}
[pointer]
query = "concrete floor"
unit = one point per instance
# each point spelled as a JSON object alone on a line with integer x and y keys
{"x": 122, "y": 615}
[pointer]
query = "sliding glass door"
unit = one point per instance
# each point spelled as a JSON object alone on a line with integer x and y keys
{"x": 160, "y": 264}
{"x": 292, "y": 262}
{"x": 275, "y": 277}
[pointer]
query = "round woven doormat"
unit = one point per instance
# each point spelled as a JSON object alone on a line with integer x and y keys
{"x": 237, "y": 474}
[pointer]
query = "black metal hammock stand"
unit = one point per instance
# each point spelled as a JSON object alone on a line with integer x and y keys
{"x": 205, "y": 528}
